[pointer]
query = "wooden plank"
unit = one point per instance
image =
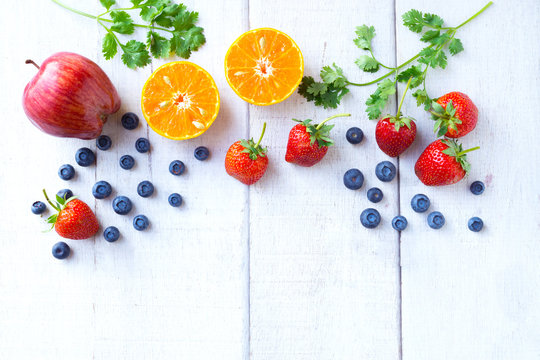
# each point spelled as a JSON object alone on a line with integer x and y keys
{"x": 322, "y": 286}
{"x": 180, "y": 289}
{"x": 474, "y": 295}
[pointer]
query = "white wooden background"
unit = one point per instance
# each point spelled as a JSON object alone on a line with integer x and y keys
{"x": 283, "y": 269}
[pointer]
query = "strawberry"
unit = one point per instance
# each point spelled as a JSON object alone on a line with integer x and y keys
{"x": 308, "y": 143}
{"x": 455, "y": 115}
{"x": 74, "y": 220}
{"x": 247, "y": 161}
{"x": 443, "y": 162}
{"x": 394, "y": 134}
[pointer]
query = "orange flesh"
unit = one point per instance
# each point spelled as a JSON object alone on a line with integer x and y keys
{"x": 180, "y": 100}
{"x": 264, "y": 66}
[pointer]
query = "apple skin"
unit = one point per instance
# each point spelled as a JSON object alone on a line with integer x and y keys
{"x": 70, "y": 96}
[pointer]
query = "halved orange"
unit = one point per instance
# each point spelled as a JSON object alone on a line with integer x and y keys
{"x": 264, "y": 66}
{"x": 180, "y": 100}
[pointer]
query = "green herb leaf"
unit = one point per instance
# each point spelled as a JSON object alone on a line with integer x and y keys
{"x": 433, "y": 58}
{"x": 184, "y": 42}
{"x": 413, "y": 20}
{"x": 107, "y": 3}
{"x": 122, "y": 22}
{"x": 422, "y": 98}
{"x": 333, "y": 76}
{"x": 455, "y": 46}
{"x": 378, "y": 100}
{"x": 135, "y": 54}
{"x": 109, "y": 48}
{"x": 317, "y": 88}
{"x": 367, "y": 63}
{"x": 433, "y": 20}
{"x": 159, "y": 46}
{"x": 184, "y": 20}
{"x": 136, "y": 2}
{"x": 430, "y": 35}
{"x": 365, "y": 35}
{"x": 415, "y": 72}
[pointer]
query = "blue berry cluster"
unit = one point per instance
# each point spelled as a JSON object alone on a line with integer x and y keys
{"x": 121, "y": 205}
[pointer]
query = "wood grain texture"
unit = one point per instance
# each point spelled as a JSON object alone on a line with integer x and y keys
{"x": 322, "y": 286}
{"x": 474, "y": 295}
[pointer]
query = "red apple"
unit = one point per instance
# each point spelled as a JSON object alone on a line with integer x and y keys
{"x": 70, "y": 96}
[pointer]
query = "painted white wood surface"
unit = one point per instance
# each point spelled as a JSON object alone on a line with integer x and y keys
{"x": 282, "y": 270}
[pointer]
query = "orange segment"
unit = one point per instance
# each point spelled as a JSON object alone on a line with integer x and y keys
{"x": 180, "y": 100}
{"x": 264, "y": 66}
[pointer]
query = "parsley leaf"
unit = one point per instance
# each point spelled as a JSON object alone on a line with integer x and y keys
{"x": 317, "y": 88}
{"x": 184, "y": 42}
{"x": 422, "y": 98}
{"x": 122, "y": 22}
{"x": 333, "y": 76}
{"x": 415, "y": 72}
{"x": 367, "y": 63}
{"x": 184, "y": 19}
{"x": 159, "y": 46}
{"x": 107, "y": 3}
{"x": 432, "y": 57}
{"x": 413, "y": 20}
{"x": 323, "y": 94}
{"x": 365, "y": 35}
{"x": 109, "y": 48}
{"x": 433, "y": 20}
{"x": 455, "y": 46}
{"x": 378, "y": 100}
{"x": 135, "y": 54}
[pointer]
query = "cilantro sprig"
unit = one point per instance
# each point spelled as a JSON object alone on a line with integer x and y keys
{"x": 440, "y": 40}
{"x": 164, "y": 17}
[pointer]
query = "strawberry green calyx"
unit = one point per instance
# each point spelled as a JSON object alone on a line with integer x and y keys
{"x": 320, "y": 132}
{"x": 399, "y": 120}
{"x": 444, "y": 118}
{"x": 59, "y": 205}
{"x": 254, "y": 150}
{"x": 456, "y": 150}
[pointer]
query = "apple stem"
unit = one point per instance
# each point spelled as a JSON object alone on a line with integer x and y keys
{"x": 31, "y": 62}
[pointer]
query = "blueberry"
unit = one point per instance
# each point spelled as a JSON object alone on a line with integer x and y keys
{"x": 66, "y": 172}
{"x": 177, "y": 167}
{"x": 435, "y": 220}
{"x": 385, "y": 171}
{"x": 130, "y": 121}
{"x": 399, "y": 223}
{"x": 145, "y": 189}
{"x": 65, "y": 194}
{"x": 103, "y": 142}
{"x": 38, "y": 207}
{"x": 61, "y": 250}
{"x": 85, "y": 157}
{"x": 111, "y": 234}
{"x": 201, "y": 153}
{"x": 175, "y": 199}
{"x": 140, "y": 222}
{"x": 370, "y": 218}
{"x": 475, "y": 224}
{"x": 101, "y": 190}
{"x": 477, "y": 187}
{"x": 122, "y": 205}
{"x": 127, "y": 162}
{"x": 142, "y": 145}
{"x": 353, "y": 179}
{"x": 374, "y": 195}
{"x": 354, "y": 135}
{"x": 420, "y": 203}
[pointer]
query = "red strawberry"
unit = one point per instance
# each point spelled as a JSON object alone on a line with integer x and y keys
{"x": 455, "y": 115}
{"x": 394, "y": 134}
{"x": 247, "y": 161}
{"x": 443, "y": 162}
{"x": 308, "y": 143}
{"x": 74, "y": 220}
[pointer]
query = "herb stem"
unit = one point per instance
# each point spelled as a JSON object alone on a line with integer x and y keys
{"x": 378, "y": 62}
{"x": 475, "y": 15}
{"x": 74, "y": 10}
{"x": 262, "y": 134}
{"x": 112, "y": 33}
{"x": 398, "y": 114}
{"x": 330, "y": 118}
{"x": 388, "y": 73}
